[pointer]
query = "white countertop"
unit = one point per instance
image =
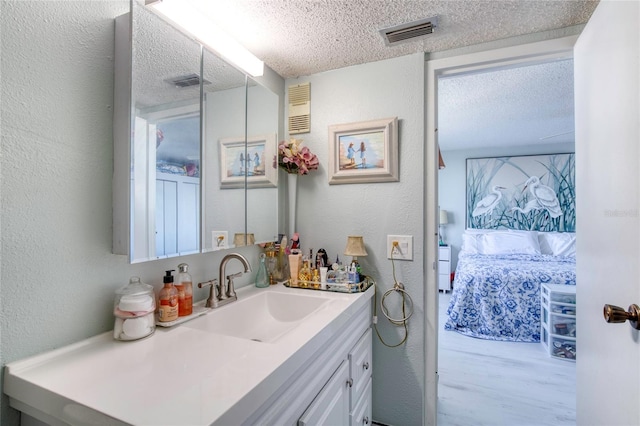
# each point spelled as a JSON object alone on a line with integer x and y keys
{"x": 179, "y": 375}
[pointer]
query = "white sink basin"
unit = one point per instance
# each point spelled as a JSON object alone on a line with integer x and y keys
{"x": 262, "y": 317}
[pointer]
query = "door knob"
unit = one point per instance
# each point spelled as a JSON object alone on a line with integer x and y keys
{"x": 614, "y": 313}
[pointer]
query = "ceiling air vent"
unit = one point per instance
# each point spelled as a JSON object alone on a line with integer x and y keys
{"x": 300, "y": 108}
{"x": 187, "y": 80}
{"x": 409, "y": 31}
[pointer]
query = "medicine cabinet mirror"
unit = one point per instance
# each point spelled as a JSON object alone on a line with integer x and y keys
{"x": 180, "y": 183}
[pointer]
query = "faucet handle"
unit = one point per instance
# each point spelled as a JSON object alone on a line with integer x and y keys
{"x": 231, "y": 292}
{"x": 211, "y": 300}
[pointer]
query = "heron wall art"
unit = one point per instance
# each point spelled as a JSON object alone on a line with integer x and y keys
{"x": 535, "y": 192}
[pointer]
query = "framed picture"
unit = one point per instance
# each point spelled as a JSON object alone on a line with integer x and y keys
{"x": 532, "y": 192}
{"x": 256, "y": 161}
{"x": 364, "y": 152}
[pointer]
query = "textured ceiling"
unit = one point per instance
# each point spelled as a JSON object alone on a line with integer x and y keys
{"x": 303, "y": 37}
{"x": 518, "y": 106}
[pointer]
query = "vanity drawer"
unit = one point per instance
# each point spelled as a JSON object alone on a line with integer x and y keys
{"x": 360, "y": 365}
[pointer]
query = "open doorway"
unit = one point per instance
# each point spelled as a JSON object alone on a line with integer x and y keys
{"x": 457, "y": 394}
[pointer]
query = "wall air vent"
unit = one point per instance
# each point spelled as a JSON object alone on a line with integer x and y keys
{"x": 300, "y": 108}
{"x": 187, "y": 80}
{"x": 409, "y": 31}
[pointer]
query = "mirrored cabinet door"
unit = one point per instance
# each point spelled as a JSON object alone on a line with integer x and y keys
{"x": 194, "y": 146}
{"x": 262, "y": 143}
{"x": 224, "y": 151}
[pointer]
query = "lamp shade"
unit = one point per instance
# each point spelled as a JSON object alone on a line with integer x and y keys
{"x": 355, "y": 246}
{"x": 240, "y": 239}
{"x": 444, "y": 219}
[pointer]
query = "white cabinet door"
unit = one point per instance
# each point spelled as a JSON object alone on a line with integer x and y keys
{"x": 360, "y": 364}
{"x": 331, "y": 406}
{"x": 362, "y": 412}
{"x": 177, "y": 214}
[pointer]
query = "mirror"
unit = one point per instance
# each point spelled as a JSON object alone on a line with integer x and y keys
{"x": 240, "y": 140}
{"x": 176, "y": 203}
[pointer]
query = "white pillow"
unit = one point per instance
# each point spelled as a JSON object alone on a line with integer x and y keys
{"x": 510, "y": 243}
{"x": 471, "y": 242}
{"x": 558, "y": 243}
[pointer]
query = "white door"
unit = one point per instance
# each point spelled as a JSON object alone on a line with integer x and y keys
{"x": 607, "y": 115}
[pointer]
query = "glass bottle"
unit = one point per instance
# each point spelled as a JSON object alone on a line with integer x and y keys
{"x": 315, "y": 278}
{"x": 272, "y": 263}
{"x": 304, "y": 276}
{"x": 282, "y": 265}
{"x": 168, "y": 299}
{"x": 184, "y": 285}
{"x": 262, "y": 278}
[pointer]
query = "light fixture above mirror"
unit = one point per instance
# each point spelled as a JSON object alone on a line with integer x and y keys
{"x": 194, "y": 22}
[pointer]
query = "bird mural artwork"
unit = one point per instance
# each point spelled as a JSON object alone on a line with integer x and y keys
{"x": 544, "y": 198}
{"x": 486, "y": 205}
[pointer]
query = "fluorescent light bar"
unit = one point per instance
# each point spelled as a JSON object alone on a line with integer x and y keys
{"x": 194, "y": 22}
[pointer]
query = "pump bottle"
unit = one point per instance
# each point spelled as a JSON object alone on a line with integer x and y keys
{"x": 168, "y": 299}
{"x": 185, "y": 291}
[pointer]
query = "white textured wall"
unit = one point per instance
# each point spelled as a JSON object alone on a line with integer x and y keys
{"x": 58, "y": 275}
{"x": 327, "y": 214}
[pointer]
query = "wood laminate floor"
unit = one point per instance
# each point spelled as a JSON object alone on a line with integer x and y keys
{"x": 483, "y": 382}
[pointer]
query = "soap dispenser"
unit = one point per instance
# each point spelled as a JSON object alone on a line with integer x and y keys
{"x": 134, "y": 309}
{"x": 168, "y": 299}
{"x": 185, "y": 291}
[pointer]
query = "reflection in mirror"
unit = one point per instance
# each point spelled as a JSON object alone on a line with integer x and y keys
{"x": 240, "y": 140}
{"x": 262, "y": 196}
{"x": 224, "y": 113}
{"x": 165, "y": 145}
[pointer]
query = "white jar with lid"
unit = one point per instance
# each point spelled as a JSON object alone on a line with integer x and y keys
{"x": 134, "y": 309}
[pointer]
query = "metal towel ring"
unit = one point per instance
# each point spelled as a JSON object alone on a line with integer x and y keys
{"x": 399, "y": 287}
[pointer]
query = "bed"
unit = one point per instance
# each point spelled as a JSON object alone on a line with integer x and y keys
{"x": 496, "y": 290}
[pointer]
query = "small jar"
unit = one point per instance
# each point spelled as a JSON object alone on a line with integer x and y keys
{"x": 134, "y": 309}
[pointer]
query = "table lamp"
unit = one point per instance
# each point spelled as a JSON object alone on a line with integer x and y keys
{"x": 241, "y": 240}
{"x": 355, "y": 247}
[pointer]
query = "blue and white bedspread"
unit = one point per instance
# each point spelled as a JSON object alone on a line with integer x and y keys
{"x": 497, "y": 297}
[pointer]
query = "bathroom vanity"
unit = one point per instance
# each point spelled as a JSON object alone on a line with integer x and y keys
{"x": 276, "y": 356}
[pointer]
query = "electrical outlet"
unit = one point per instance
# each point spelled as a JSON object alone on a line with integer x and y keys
{"x": 220, "y": 239}
{"x": 401, "y": 246}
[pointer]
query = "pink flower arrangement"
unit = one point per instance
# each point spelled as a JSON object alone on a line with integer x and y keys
{"x": 296, "y": 159}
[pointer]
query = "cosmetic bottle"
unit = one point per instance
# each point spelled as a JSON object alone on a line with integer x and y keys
{"x": 282, "y": 264}
{"x": 315, "y": 278}
{"x": 352, "y": 274}
{"x": 262, "y": 278}
{"x": 184, "y": 285}
{"x": 294, "y": 267}
{"x": 323, "y": 277}
{"x": 304, "y": 276}
{"x": 168, "y": 299}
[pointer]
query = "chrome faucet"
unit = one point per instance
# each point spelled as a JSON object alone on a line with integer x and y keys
{"x": 226, "y": 286}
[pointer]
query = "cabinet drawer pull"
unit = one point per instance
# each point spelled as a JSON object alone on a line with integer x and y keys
{"x": 365, "y": 365}
{"x": 365, "y": 420}
{"x": 350, "y": 383}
